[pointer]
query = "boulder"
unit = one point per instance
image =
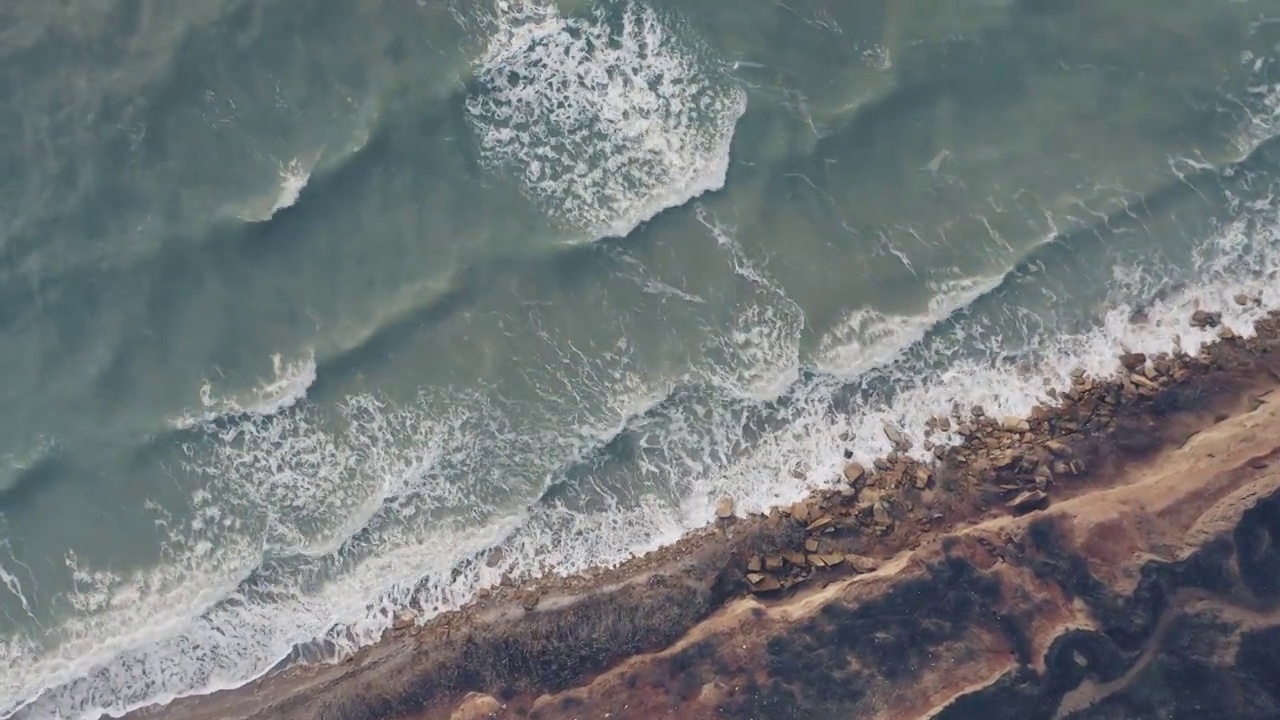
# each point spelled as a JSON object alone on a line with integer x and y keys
{"x": 793, "y": 557}
{"x": 1205, "y": 319}
{"x": 899, "y": 441}
{"x": 861, "y": 563}
{"x": 1144, "y": 382}
{"x": 1016, "y": 425}
{"x": 763, "y": 583}
{"x": 820, "y": 524}
{"x": 1058, "y": 448}
{"x": 477, "y": 706}
{"x": 853, "y": 472}
{"x": 1132, "y": 361}
{"x": 724, "y": 508}
{"x": 1028, "y": 501}
{"x": 880, "y": 513}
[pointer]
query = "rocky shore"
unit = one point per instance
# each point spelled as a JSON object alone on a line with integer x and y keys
{"x": 1114, "y": 555}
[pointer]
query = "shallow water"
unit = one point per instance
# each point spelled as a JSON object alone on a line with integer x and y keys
{"x": 307, "y": 308}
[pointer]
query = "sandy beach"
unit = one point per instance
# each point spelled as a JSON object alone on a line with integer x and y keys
{"x": 1073, "y": 563}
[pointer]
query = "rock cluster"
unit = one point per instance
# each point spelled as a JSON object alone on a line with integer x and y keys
{"x": 1016, "y": 463}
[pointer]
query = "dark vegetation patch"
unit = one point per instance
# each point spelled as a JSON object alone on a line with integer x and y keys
{"x": 551, "y": 651}
{"x": 1257, "y": 539}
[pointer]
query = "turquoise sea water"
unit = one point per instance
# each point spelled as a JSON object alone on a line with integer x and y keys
{"x": 307, "y": 307}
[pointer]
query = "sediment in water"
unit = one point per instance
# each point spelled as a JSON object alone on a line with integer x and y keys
{"x": 1003, "y": 560}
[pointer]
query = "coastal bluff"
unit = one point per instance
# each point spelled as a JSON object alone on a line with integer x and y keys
{"x": 1115, "y": 555}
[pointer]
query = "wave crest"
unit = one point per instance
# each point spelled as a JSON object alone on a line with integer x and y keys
{"x": 605, "y": 121}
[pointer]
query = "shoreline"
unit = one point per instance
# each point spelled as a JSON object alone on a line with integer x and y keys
{"x": 515, "y": 644}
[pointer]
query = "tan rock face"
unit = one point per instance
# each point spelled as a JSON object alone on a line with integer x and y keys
{"x": 724, "y": 508}
{"x": 854, "y": 472}
{"x": 476, "y": 706}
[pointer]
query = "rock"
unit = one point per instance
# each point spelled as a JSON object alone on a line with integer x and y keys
{"x": 816, "y": 561}
{"x": 880, "y": 513}
{"x": 944, "y": 424}
{"x": 978, "y": 411}
{"x": 861, "y": 563}
{"x": 1244, "y": 300}
{"x": 530, "y": 599}
{"x": 1016, "y": 424}
{"x": 713, "y": 694}
{"x": 899, "y": 441}
{"x": 820, "y": 524}
{"x": 724, "y": 508}
{"x": 1226, "y": 333}
{"x": 793, "y": 557}
{"x": 1144, "y": 382}
{"x": 853, "y": 472}
{"x": 1058, "y": 448}
{"x": 923, "y": 476}
{"x": 1205, "y": 319}
{"x": 832, "y": 559}
{"x": 1029, "y": 501}
{"x": 1133, "y": 361}
{"x": 881, "y": 464}
{"x": 1007, "y": 459}
{"x": 811, "y": 545}
{"x": 404, "y": 619}
{"x": 495, "y": 557}
{"x": 762, "y": 583}
{"x": 477, "y": 706}
{"x": 755, "y": 564}
{"x": 800, "y": 511}
{"x": 773, "y": 563}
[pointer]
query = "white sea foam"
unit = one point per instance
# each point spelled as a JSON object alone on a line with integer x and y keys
{"x": 869, "y": 338}
{"x": 287, "y": 387}
{"x": 603, "y": 126}
{"x": 293, "y": 178}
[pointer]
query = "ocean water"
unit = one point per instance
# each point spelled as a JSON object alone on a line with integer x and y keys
{"x": 311, "y": 313}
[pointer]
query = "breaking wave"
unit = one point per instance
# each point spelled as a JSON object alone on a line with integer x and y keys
{"x": 605, "y": 121}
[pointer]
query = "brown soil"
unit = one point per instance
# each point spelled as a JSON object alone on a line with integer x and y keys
{"x": 1044, "y": 567}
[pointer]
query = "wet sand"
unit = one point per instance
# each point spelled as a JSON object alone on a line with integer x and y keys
{"x": 1043, "y": 567}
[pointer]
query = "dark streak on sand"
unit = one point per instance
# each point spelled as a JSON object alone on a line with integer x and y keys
{"x": 990, "y": 600}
